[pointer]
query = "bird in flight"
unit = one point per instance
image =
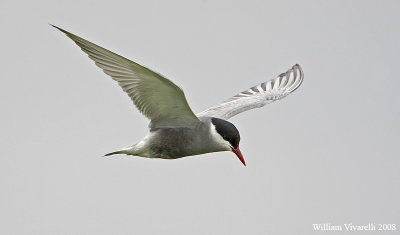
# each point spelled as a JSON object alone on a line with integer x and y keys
{"x": 175, "y": 131}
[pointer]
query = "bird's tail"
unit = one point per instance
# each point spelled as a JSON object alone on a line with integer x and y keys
{"x": 116, "y": 152}
{"x": 131, "y": 150}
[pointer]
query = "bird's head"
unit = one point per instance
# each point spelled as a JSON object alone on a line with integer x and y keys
{"x": 227, "y": 135}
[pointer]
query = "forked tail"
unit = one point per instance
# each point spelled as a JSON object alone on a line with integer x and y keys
{"x": 116, "y": 152}
{"x": 131, "y": 150}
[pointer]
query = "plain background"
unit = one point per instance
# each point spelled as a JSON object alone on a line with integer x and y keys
{"x": 327, "y": 153}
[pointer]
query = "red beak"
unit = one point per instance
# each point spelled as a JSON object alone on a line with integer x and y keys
{"x": 239, "y": 155}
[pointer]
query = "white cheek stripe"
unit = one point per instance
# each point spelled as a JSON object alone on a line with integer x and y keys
{"x": 218, "y": 138}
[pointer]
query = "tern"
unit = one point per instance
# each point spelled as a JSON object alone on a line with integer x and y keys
{"x": 175, "y": 131}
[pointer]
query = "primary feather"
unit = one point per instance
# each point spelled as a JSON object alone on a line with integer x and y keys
{"x": 155, "y": 96}
{"x": 258, "y": 96}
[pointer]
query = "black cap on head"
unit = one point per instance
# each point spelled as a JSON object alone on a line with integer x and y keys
{"x": 228, "y": 131}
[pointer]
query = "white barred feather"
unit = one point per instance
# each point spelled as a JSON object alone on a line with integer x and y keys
{"x": 258, "y": 96}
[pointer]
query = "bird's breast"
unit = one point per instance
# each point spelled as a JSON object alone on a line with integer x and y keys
{"x": 174, "y": 143}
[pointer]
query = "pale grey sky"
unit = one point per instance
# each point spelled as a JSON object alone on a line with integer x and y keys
{"x": 327, "y": 153}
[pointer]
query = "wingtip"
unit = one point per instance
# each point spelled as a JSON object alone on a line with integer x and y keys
{"x": 300, "y": 70}
{"x": 296, "y": 85}
{"x": 296, "y": 66}
{"x": 54, "y": 26}
{"x": 62, "y": 30}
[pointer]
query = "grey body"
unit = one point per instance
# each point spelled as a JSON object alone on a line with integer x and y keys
{"x": 172, "y": 143}
{"x": 175, "y": 131}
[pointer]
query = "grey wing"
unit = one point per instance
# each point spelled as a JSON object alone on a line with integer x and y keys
{"x": 258, "y": 96}
{"x": 156, "y": 97}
